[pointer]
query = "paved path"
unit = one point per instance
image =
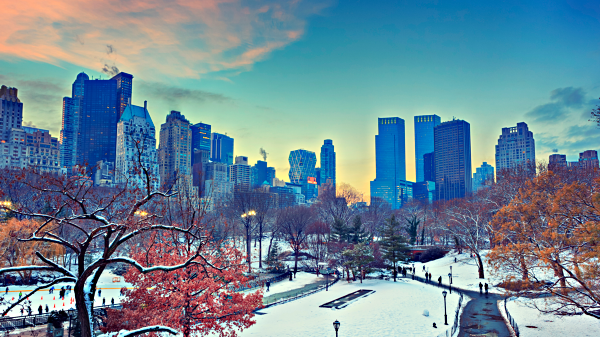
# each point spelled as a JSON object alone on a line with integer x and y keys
{"x": 480, "y": 317}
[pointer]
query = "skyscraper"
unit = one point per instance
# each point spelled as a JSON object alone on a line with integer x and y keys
{"x": 240, "y": 174}
{"x": 327, "y": 162}
{"x": 12, "y": 112}
{"x": 588, "y": 159}
{"x": 97, "y": 132}
{"x": 70, "y": 122}
{"x": 200, "y": 137}
{"x": 557, "y": 161}
{"x": 124, "y": 89}
{"x": 424, "y": 126}
{"x": 302, "y": 172}
{"x": 174, "y": 150}
{"x": 136, "y": 144}
{"x": 452, "y": 151}
{"x": 222, "y": 148}
{"x": 259, "y": 174}
{"x": 429, "y": 166}
{"x": 516, "y": 148}
{"x": 390, "y": 162}
{"x": 483, "y": 176}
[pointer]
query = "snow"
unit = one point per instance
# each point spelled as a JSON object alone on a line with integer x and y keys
{"x": 549, "y": 324}
{"x": 464, "y": 271}
{"x": 300, "y": 281}
{"x": 395, "y": 309}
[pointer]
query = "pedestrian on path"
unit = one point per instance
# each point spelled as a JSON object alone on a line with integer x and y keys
{"x": 480, "y": 287}
{"x": 440, "y": 281}
{"x": 103, "y": 301}
{"x": 40, "y": 310}
{"x": 268, "y": 285}
{"x": 7, "y": 290}
{"x": 423, "y": 267}
{"x": 22, "y": 311}
{"x": 99, "y": 292}
{"x": 486, "y": 288}
{"x": 47, "y": 308}
{"x": 20, "y": 295}
{"x": 112, "y": 301}
{"x": 29, "y": 310}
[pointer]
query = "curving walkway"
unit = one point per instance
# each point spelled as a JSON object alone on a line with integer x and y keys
{"x": 481, "y": 316}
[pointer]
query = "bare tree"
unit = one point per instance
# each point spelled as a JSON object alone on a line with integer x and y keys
{"x": 294, "y": 222}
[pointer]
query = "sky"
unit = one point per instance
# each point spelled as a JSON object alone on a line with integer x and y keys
{"x": 284, "y": 75}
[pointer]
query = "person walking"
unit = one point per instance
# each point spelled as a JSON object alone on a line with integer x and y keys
{"x": 47, "y": 308}
{"x": 103, "y": 301}
{"x": 486, "y": 288}
{"x": 6, "y": 290}
{"x": 99, "y": 292}
{"x": 20, "y": 295}
{"x": 440, "y": 281}
{"x": 29, "y": 310}
{"x": 112, "y": 301}
{"x": 40, "y": 310}
{"x": 480, "y": 288}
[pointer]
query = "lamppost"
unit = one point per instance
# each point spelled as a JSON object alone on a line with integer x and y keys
{"x": 247, "y": 218}
{"x": 450, "y": 282}
{"x": 445, "y": 314}
{"x": 450, "y": 274}
{"x": 336, "y": 326}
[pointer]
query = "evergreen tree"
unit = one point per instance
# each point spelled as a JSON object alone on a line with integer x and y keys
{"x": 359, "y": 257}
{"x": 358, "y": 232}
{"x": 272, "y": 260}
{"x": 339, "y": 231}
{"x": 393, "y": 245}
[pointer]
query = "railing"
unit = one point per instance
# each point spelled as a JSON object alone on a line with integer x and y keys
{"x": 260, "y": 282}
{"x": 20, "y": 322}
{"x": 303, "y": 292}
{"x": 511, "y": 320}
{"x": 450, "y": 332}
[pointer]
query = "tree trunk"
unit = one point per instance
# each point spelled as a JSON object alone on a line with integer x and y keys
{"x": 524, "y": 270}
{"x": 479, "y": 265}
{"x": 82, "y": 309}
{"x": 260, "y": 236}
{"x": 248, "y": 249}
{"x": 296, "y": 251}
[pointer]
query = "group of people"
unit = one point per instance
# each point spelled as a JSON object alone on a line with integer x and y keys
{"x": 482, "y": 286}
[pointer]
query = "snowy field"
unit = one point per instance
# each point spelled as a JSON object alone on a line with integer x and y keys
{"x": 464, "y": 271}
{"x": 532, "y": 323}
{"x": 395, "y": 309}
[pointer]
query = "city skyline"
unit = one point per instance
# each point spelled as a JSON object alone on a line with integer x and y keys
{"x": 253, "y": 97}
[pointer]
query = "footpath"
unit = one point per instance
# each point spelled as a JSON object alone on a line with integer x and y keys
{"x": 481, "y": 316}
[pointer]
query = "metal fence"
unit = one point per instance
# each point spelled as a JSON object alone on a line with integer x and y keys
{"x": 450, "y": 332}
{"x": 260, "y": 282}
{"x": 512, "y": 322}
{"x": 299, "y": 293}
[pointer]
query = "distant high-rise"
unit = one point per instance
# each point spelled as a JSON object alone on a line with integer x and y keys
{"x": 259, "y": 174}
{"x": 124, "y": 89}
{"x": 97, "y": 132}
{"x": 221, "y": 148}
{"x": 429, "y": 166}
{"x": 424, "y": 126}
{"x": 516, "y": 148}
{"x": 327, "y": 163}
{"x": 483, "y": 176}
{"x": 302, "y": 172}
{"x": 588, "y": 159}
{"x": 11, "y": 113}
{"x": 174, "y": 150}
{"x": 452, "y": 149}
{"x": 200, "y": 137}
{"x": 270, "y": 175}
{"x": 390, "y": 162}
{"x": 240, "y": 174}
{"x": 136, "y": 144}
{"x": 70, "y": 122}
{"x": 557, "y": 161}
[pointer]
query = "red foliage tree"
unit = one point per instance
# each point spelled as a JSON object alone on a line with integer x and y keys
{"x": 196, "y": 300}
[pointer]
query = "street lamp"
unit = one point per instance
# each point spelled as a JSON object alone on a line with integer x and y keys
{"x": 336, "y": 326}
{"x": 450, "y": 282}
{"x": 445, "y": 314}
{"x": 247, "y": 218}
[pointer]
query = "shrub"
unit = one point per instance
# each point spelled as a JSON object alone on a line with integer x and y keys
{"x": 432, "y": 254}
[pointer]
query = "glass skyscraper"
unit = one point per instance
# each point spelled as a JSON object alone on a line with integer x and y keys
{"x": 390, "y": 163}
{"x": 327, "y": 162}
{"x": 302, "y": 172}
{"x": 424, "y": 126}
{"x": 97, "y": 132}
{"x": 222, "y": 148}
{"x": 200, "y": 136}
{"x": 70, "y": 122}
{"x": 452, "y": 153}
{"x": 124, "y": 89}
{"x": 483, "y": 176}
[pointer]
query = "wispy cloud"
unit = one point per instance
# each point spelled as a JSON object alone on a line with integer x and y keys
{"x": 182, "y": 38}
{"x": 175, "y": 96}
{"x": 563, "y": 99}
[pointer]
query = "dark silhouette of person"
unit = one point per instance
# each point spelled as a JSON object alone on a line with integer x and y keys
{"x": 99, "y": 292}
{"x": 268, "y": 285}
{"x": 47, "y": 308}
{"x": 486, "y": 288}
{"x": 40, "y": 309}
{"x": 435, "y": 326}
{"x": 103, "y": 301}
{"x": 454, "y": 259}
{"x": 480, "y": 287}
{"x": 440, "y": 280}
{"x": 7, "y": 290}
{"x": 112, "y": 301}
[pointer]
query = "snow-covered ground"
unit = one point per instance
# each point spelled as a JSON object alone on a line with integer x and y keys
{"x": 532, "y": 323}
{"x": 464, "y": 271}
{"x": 109, "y": 290}
{"x": 300, "y": 281}
{"x": 395, "y": 309}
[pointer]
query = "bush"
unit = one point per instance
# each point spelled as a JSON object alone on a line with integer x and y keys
{"x": 432, "y": 254}
{"x": 520, "y": 285}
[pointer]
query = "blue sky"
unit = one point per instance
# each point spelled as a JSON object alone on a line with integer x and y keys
{"x": 287, "y": 75}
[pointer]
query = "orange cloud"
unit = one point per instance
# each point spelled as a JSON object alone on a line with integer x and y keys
{"x": 182, "y": 38}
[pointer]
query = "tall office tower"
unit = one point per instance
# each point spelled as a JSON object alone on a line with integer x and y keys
{"x": 483, "y": 177}
{"x": 390, "y": 162}
{"x": 200, "y": 137}
{"x": 259, "y": 174}
{"x": 124, "y": 88}
{"x": 429, "y": 166}
{"x": 136, "y": 148}
{"x": 557, "y": 161}
{"x": 515, "y": 149}
{"x": 302, "y": 172}
{"x": 174, "y": 150}
{"x": 240, "y": 174}
{"x": 12, "y": 112}
{"x": 270, "y": 175}
{"x": 221, "y": 148}
{"x": 70, "y": 122}
{"x": 452, "y": 148}
{"x": 97, "y": 132}
{"x": 318, "y": 175}
{"x": 218, "y": 190}
{"x": 588, "y": 159}
{"x": 327, "y": 163}
{"x": 424, "y": 126}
